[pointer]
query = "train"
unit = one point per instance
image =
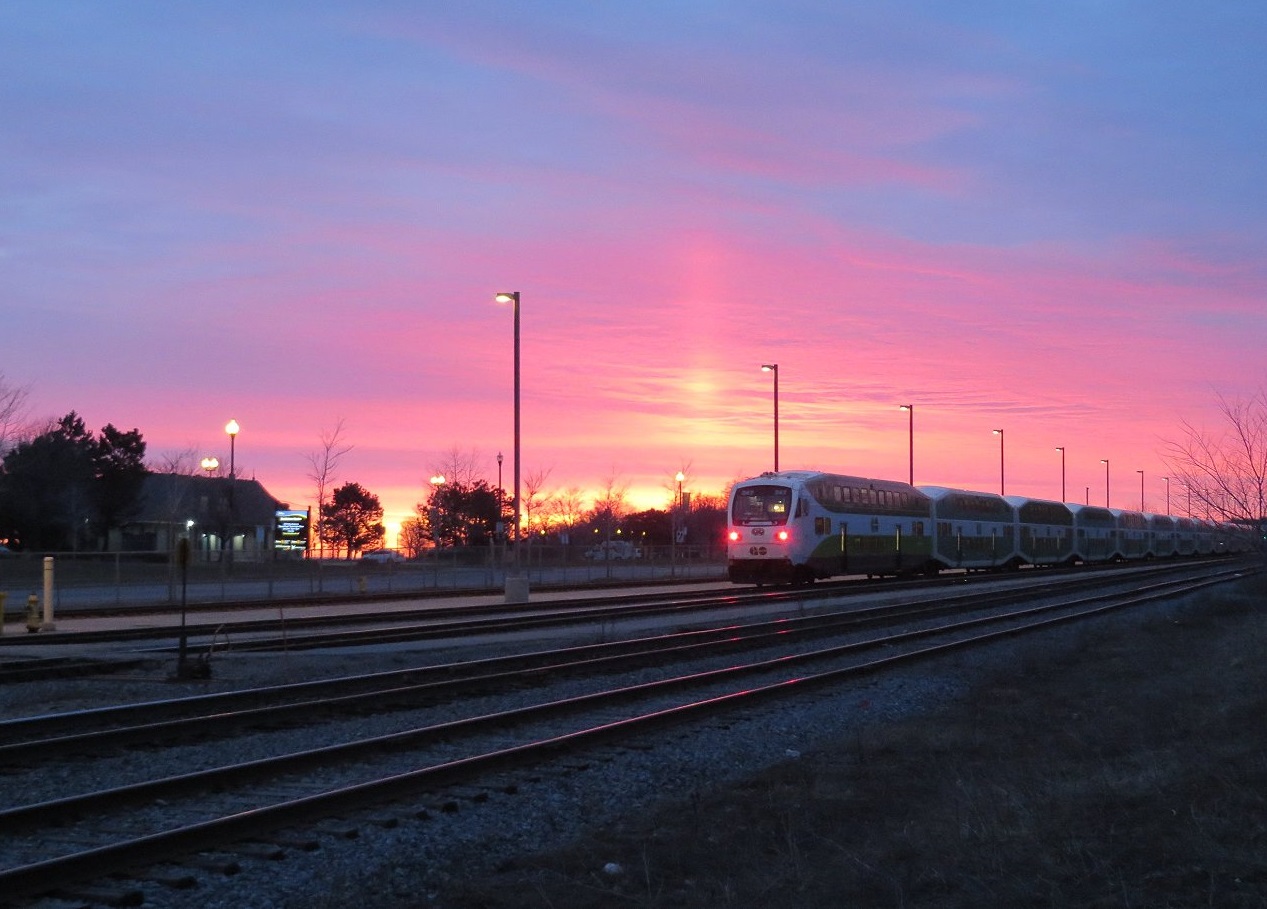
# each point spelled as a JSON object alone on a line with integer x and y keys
{"x": 798, "y": 526}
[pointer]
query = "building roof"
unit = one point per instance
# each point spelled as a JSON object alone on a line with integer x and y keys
{"x": 169, "y": 498}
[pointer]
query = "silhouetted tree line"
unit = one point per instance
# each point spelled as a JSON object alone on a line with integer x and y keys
{"x": 67, "y": 488}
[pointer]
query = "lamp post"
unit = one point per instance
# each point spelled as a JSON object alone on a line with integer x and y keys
{"x": 1141, "y": 489}
{"x": 210, "y": 465}
{"x": 1167, "y": 479}
{"x": 774, "y": 368}
{"x": 501, "y": 495}
{"x": 1002, "y": 486}
{"x": 677, "y": 516}
{"x": 910, "y": 441}
{"x": 1061, "y": 449}
{"x": 518, "y": 591}
{"x": 232, "y": 428}
{"x": 1105, "y": 462}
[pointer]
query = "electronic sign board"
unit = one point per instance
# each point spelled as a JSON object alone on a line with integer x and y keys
{"x": 290, "y": 531}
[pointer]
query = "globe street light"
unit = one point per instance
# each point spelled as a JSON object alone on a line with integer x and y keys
{"x": 437, "y": 481}
{"x": 520, "y": 591}
{"x": 774, "y": 368}
{"x": 210, "y": 465}
{"x": 501, "y": 495}
{"x": 1105, "y": 462}
{"x": 910, "y": 444}
{"x": 1002, "y": 486}
{"x": 232, "y": 428}
{"x": 677, "y": 516}
{"x": 1061, "y": 449}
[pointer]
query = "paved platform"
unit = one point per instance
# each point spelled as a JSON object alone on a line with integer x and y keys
{"x": 72, "y": 622}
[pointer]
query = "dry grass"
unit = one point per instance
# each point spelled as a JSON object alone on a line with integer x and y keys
{"x": 1130, "y": 773}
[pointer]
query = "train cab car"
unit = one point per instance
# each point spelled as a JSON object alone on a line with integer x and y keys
{"x": 1095, "y": 533}
{"x": 973, "y": 530}
{"x": 1163, "y": 536}
{"x": 797, "y": 526}
{"x": 1132, "y": 534}
{"x": 1044, "y": 531}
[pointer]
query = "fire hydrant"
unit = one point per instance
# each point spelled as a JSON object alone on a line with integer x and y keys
{"x": 33, "y": 617}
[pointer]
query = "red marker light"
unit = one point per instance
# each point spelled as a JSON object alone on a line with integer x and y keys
{"x": 734, "y": 536}
{"x": 783, "y": 536}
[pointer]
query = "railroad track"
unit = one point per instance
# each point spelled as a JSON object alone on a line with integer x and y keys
{"x": 132, "y": 827}
{"x": 217, "y": 714}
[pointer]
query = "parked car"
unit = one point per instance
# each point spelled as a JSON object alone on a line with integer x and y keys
{"x": 381, "y": 556}
{"x": 613, "y": 550}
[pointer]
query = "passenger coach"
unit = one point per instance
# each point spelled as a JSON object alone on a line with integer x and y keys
{"x": 796, "y": 526}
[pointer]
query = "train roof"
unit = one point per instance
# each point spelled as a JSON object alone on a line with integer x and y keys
{"x": 941, "y": 492}
{"x": 1030, "y": 500}
{"x": 806, "y": 476}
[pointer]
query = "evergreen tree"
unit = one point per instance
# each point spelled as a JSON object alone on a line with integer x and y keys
{"x": 352, "y": 520}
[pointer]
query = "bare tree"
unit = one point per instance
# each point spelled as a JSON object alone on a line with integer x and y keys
{"x": 183, "y": 463}
{"x": 414, "y": 537}
{"x": 324, "y": 463}
{"x": 612, "y": 503}
{"x": 535, "y": 503}
{"x": 459, "y": 467}
{"x": 565, "y": 509}
{"x": 13, "y": 408}
{"x": 1224, "y": 473}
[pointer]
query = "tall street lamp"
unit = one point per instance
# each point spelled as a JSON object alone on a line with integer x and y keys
{"x": 1002, "y": 486}
{"x": 1061, "y": 449}
{"x": 1105, "y": 462}
{"x": 1141, "y": 489}
{"x": 774, "y": 368}
{"x": 518, "y": 592}
{"x": 910, "y": 441}
{"x": 1167, "y": 479}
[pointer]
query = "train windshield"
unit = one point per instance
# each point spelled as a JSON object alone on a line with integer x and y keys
{"x": 762, "y": 505}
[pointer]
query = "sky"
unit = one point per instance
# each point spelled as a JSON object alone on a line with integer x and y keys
{"x": 1049, "y": 219}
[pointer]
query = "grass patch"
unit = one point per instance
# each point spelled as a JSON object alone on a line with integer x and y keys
{"x": 1129, "y": 771}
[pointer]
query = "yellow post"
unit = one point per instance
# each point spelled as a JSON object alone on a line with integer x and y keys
{"x": 32, "y": 613}
{"x": 3, "y": 596}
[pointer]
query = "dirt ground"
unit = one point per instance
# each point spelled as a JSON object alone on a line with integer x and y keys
{"x": 1130, "y": 773}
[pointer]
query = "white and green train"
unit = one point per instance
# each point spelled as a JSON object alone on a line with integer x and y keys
{"x": 795, "y": 526}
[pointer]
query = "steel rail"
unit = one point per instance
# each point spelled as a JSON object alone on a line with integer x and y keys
{"x": 151, "y": 848}
{"x": 212, "y": 714}
{"x": 485, "y": 618}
